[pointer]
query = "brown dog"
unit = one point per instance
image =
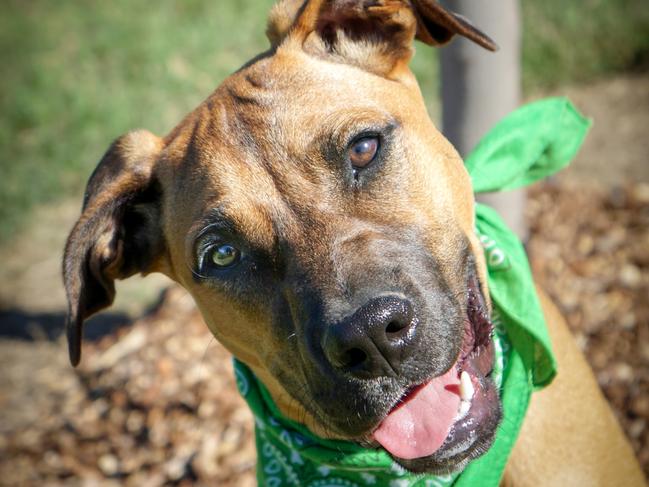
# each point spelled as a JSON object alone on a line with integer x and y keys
{"x": 325, "y": 229}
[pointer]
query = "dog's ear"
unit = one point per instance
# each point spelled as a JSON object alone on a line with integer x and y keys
{"x": 118, "y": 233}
{"x": 437, "y": 25}
{"x": 376, "y": 35}
{"x": 281, "y": 18}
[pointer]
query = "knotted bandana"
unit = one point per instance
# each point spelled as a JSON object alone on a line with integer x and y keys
{"x": 531, "y": 143}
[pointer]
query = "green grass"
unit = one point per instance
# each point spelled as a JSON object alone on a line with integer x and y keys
{"x": 576, "y": 42}
{"x": 77, "y": 74}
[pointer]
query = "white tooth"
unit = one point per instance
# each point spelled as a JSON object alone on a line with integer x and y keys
{"x": 466, "y": 386}
{"x": 463, "y": 410}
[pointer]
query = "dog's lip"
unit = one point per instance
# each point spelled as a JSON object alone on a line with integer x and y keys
{"x": 476, "y": 357}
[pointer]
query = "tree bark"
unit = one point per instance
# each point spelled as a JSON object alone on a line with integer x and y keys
{"x": 480, "y": 87}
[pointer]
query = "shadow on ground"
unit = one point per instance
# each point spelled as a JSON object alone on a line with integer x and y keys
{"x": 17, "y": 323}
{"x": 21, "y": 324}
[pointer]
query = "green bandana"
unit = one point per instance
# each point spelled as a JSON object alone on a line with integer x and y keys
{"x": 531, "y": 143}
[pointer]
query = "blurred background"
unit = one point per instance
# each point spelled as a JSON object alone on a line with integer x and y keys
{"x": 153, "y": 401}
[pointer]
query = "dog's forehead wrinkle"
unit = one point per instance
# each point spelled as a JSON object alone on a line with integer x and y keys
{"x": 248, "y": 99}
{"x": 255, "y": 79}
{"x": 198, "y": 146}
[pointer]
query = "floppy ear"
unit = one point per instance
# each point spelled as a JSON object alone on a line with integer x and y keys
{"x": 376, "y": 35}
{"x": 118, "y": 233}
{"x": 437, "y": 25}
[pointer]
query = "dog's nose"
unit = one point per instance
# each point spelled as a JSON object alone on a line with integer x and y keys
{"x": 373, "y": 341}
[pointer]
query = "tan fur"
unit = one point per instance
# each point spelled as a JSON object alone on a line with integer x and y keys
{"x": 253, "y": 152}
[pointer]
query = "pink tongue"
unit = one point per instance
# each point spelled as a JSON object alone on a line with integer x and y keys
{"x": 418, "y": 427}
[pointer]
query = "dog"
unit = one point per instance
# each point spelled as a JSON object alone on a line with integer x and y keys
{"x": 325, "y": 229}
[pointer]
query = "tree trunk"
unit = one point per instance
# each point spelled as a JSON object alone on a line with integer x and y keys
{"x": 480, "y": 87}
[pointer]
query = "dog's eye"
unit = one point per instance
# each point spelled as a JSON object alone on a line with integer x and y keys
{"x": 363, "y": 151}
{"x": 224, "y": 255}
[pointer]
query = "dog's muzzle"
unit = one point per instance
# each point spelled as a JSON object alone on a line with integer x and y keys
{"x": 449, "y": 416}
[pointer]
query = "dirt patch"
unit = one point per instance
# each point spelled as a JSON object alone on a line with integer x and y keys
{"x": 617, "y": 147}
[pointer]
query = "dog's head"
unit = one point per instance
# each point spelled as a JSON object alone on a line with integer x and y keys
{"x": 324, "y": 227}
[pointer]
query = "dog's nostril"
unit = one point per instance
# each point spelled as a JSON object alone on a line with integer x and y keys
{"x": 394, "y": 328}
{"x": 353, "y": 358}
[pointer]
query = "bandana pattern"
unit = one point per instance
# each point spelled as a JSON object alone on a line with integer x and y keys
{"x": 531, "y": 143}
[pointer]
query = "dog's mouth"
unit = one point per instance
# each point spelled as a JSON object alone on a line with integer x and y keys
{"x": 445, "y": 417}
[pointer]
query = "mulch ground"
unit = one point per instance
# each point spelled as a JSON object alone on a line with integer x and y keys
{"x": 590, "y": 251}
{"x": 155, "y": 404}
